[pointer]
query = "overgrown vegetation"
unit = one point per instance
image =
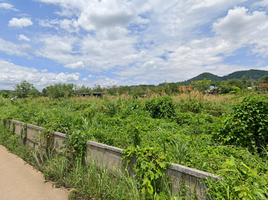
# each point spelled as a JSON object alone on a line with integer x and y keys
{"x": 247, "y": 125}
{"x": 224, "y": 135}
{"x": 84, "y": 181}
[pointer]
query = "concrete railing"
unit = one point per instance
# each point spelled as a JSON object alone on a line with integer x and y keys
{"x": 108, "y": 156}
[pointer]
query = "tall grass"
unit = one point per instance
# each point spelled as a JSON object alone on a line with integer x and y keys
{"x": 85, "y": 181}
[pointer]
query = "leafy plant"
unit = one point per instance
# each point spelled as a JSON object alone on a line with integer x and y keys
{"x": 160, "y": 107}
{"x": 240, "y": 182}
{"x": 246, "y": 125}
{"x": 135, "y": 131}
{"x": 77, "y": 144}
{"x": 150, "y": 169}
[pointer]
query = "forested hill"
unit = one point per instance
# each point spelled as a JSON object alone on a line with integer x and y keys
{"x": 253, "y": 74}
{"x": 206, "y": 75}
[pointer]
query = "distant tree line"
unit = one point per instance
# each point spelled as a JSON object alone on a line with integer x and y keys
{"x": 25, "y": 89}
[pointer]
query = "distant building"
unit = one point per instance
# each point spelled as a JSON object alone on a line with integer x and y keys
{"x": 95, "y": 94}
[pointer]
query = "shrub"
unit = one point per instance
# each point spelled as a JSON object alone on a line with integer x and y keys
{"x": 160, "y": 107}
{"x": 246, "y": 125}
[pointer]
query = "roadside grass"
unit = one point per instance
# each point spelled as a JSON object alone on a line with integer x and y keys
{"x": 84, "y": 181}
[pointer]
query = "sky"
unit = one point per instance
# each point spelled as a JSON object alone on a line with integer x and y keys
{"x": 129, "y": 42}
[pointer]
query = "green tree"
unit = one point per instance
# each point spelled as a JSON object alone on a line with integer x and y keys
{"x": 61, "y": 90}
{"x": 171, "y": 88}
{"x": 244, "y": 79}
{"x": 237, "y": 83}
{"x": 44, "y": 92}
{"x": 202, "y": 85}
{"x": 22, "y": 89}
{"x": 5, "y": 93}
{"x": 34, "y": 92}
{"x": 97, "y": 88}
{"x": 264, "y": 79}
{"x": 224, "y": 87}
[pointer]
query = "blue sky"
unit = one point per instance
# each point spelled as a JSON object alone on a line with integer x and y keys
{"x": 129, "y": 42}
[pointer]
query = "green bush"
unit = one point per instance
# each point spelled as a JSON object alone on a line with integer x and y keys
{"x": 240, "y": 182}
{"x": 246, "y": 125}
{"x": 160, "y": 107}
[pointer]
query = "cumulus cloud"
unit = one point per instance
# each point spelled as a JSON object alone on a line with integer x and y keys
{"x": 141, "y": 54}
{"x": 20, "y": 23}
{"x": 84, "y": 79}
{"x": 7, "y": 6}
{"x": 150, "y": 65}
{"x": 44, "y": 70}
{"x": 78, "y": 65}
{"x": 103, "y": 14}
{"x": 96, "y": 15}
{"x": 114, "y": 33}
{"x": 46, "y": 23}
{"x": 63, "y": 77}
{"x": 239, "y": 24}
{"x": 152, "y": 40}
{"x": 12, "y": 74}
{"x": 23, "y": 37}
{"x": 90, "y": 76}
{"x": 57, "y": 48}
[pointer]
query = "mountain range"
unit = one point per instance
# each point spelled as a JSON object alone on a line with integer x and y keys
{"x": 253, "y": 74}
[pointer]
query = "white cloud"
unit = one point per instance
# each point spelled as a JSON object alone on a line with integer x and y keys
{"x": 96, "y": 15}
{"x": 44, "y": 70}
{"x": 65, "y": 24}
{"x": 69, "y": 25}
{"x": 263, "y": 3}
{"x": 7, "y": 6}
{"x": 57, "y": 48}
{"x": 46, "y": 23}
{"x": 11, "y": 49}
{"x": 12, "y": 74}
{"x": 63, "y": 77}
{"x": 150, "y": 65}
{"x": 85, "y": 79}
{"x": 20, "y": 23}
{"x": 104, "y": 14}
{"x": 140, "y": 20}
{"x": 78, "y": 65}
{"x": 101, "y": 76}
{"x": 113, "y": 33}
{"x": 90, "y": 76}
{"x": 261, "y": 48}
{"x": 239, "y": 25}
{"x": 141, "y": 54}
{"x": 23, "y": 37}
{"x": 152, "y": 40}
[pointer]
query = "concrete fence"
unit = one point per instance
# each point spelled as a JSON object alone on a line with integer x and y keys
{"x": 110, "y": 157}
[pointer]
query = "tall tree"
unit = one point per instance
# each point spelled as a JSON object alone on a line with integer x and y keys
{"x": 61, "y": 90}
{"x": 22, "y": 89}
{"x": 202, "y": 85}
{"x": 264, "y": 79}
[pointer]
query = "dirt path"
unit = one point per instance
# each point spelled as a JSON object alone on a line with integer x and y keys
{"x": 20, "y": 181}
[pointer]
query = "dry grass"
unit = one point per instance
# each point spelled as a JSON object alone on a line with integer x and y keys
{"x": 194, "y": 94}
{"x": 208, "y": 97}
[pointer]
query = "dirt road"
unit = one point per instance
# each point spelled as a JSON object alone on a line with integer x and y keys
{"x": 20, "y": 181}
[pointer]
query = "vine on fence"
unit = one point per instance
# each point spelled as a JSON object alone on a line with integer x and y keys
{"x": 76, "y": 144}
{"x": 151, "y": 166}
